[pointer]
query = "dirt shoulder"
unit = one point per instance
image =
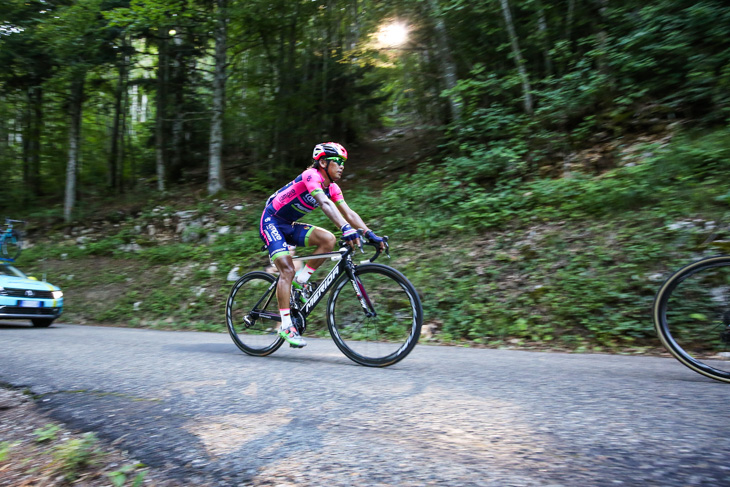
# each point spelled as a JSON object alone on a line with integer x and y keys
{"x": 40, "y": 452}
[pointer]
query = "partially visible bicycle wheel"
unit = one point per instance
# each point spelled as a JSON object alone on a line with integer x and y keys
{"x": 692, "y": 316}
{"x": 252, "y": 314}
{"x": 390, "y": 327}
{"x": 11, "y": 245}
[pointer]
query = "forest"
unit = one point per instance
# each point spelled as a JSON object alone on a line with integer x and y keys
{"x": 596, "y": 129}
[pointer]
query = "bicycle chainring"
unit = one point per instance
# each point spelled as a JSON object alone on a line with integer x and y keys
{"x": 298, "y": 320}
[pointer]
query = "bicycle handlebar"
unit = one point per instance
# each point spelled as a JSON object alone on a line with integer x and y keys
{"x": 364, "y": 240}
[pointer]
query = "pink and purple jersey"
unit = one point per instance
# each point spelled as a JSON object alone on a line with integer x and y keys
{"x": 296, "y": 199}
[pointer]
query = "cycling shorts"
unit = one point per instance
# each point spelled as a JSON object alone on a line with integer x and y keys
{"x": 278, "y": 234}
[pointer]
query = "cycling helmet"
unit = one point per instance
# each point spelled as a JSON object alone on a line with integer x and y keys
{"x": 328, "y": 149}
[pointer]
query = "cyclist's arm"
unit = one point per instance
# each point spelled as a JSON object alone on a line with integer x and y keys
{"x": 314, "y": 186}
{"x": 351, "y": 216}
{"x": 329, "y": 208}
{"x": 354, "y": 219}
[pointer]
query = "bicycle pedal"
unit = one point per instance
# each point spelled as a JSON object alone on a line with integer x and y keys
{"x": 296, "y": 346}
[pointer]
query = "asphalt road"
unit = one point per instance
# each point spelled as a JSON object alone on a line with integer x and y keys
{"x": 193, "y": 405}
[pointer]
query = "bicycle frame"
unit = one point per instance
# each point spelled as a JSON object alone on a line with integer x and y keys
{"x": 344, "y": 265}
{"x": 366, "y": 336}
{"x": 6, "y": 232}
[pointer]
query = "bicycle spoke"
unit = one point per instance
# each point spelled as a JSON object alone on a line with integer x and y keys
{"x": 252, "y": 314}
{"x": 386, "y": 328}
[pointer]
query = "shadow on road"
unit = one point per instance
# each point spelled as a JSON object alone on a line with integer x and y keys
{"x": 17, "y": 325}
{"x": 276, "y": 357}
{"x": 224, "y": 348}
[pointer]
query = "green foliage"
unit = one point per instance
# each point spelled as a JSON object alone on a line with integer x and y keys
{"x": 119, "y": 477}
{"x": 74, "y": 455}
{"x": 599, "y": 76}
{"x": 5, "y": 447}
{"x": 169, "y": 253}
{"x": 679, "y": 48}
{"x": 568, "y": 262}
{"x": 300, "y": 75}
{"x": 460, "y": 203}
{"x": 47, "y": 433}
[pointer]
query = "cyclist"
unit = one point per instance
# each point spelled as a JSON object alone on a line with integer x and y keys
{"x": 315, "y": 187}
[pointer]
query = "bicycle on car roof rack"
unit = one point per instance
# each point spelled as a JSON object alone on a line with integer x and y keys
{"x": 11, "y": 241}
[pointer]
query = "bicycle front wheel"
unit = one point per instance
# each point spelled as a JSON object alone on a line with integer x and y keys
{"x": 376, "y": 319}
{"x": 11, "y": 245}
{"x": 692, "y": 316}
{"x": 252, "y": 314}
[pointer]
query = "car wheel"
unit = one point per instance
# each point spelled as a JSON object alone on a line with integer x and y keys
{"x": 42, "y": 322}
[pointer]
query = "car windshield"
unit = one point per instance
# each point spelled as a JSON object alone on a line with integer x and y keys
{"x": 8, "y": 270}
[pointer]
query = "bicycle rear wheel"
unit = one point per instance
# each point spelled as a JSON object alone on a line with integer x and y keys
{"x": 389, "y": 329}
{"x": 692, "y": 316}
{"x": 11, "y": 245}
{"x": 252, "y": 314}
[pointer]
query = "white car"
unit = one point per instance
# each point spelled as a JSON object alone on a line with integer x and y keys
{"x": 23, "y": 297}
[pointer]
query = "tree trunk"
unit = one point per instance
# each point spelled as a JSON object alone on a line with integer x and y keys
{"x": 4, "y": 138}
{"x": 353, "y": 33}
{"x": 74, "y": 137}
{"x": 545, "y": 41}
{"x": 113, "y": 160}
{"x": 25, "y": 134}
{"x": 125, "y": 110}
{"x": 569, "y": 21}
{"x": 175, "y": 173}
{"x": 177, "y": 84}
{"x": 602, "y": 37}
{"x": 160, "y": 152}
{"x": 526, "y": 88}
{"x": 215, "y": 164}
{"x": 122, "y": 150}
{"x": 35, "y": 142}
{"x": 123, "y": 130}
{"x": 445, "y": 60}
{"x": 32, "y": 122}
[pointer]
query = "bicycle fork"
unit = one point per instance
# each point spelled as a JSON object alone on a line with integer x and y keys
{"x": 362, "y": 295}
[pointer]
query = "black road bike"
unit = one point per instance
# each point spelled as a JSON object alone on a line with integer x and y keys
{"x": 374, "y": 314}
{"x": 692, "y": 316}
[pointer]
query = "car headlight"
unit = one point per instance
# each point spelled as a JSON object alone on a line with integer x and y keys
{"x": 57, "y": 294}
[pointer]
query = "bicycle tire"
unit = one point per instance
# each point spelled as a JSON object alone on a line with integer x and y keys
{"x": 386, "y": 338}
{"x": 253, "y": 333}
{"x": 692, "y": 316}
{"x": 12, "y": 244}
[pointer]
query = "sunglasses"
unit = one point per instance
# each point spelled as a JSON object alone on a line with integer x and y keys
{"x": 338, "y": 160}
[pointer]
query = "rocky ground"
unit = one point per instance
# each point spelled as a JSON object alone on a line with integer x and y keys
{"x": 36, "y": 451}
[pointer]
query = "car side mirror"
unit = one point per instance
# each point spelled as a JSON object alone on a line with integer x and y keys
{"x": 32, "y": 278}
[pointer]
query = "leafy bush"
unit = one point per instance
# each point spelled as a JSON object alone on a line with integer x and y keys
{"x": 72, "y": 456}
{"x": 47, "y": 433}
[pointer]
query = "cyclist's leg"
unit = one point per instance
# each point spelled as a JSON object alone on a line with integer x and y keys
{"x": 287, "y": 330}
{"x": 274, "y": 232}
{"x": 306, "y": 235}
{"x": 285, "y": 265}
{"x": 277, "y": 235}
